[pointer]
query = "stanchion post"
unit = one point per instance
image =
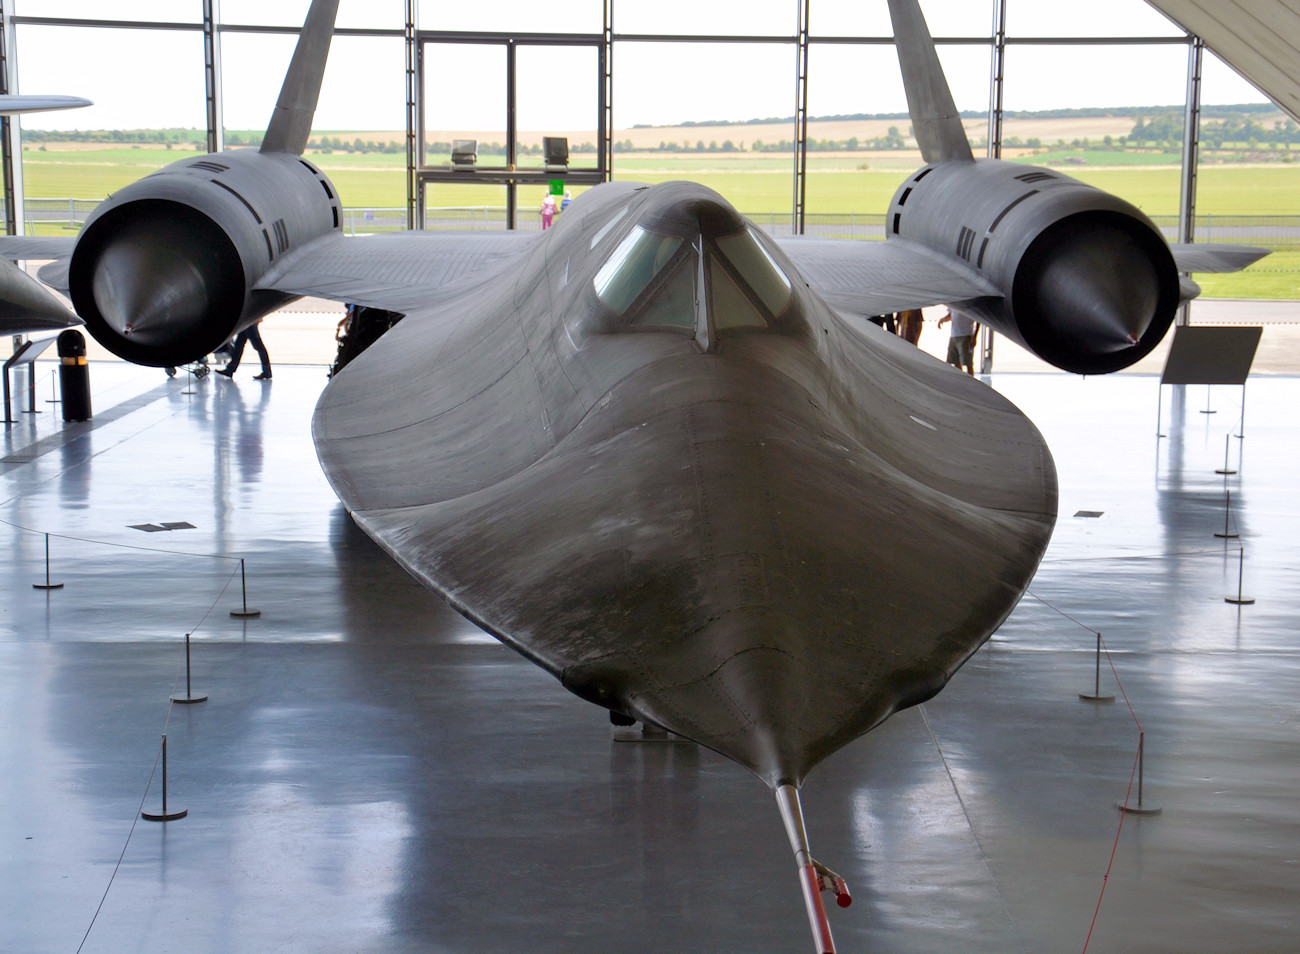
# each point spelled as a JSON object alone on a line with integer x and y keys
{"x": 54, "y": 389}
{"x": 1095, "y": 695}
{"x": 1240, "y": 600}
{"x": 246, "y": 613}
{"x": 164, "y": 815}
{"x": 189, "y": 698}
{"x": 1227, "y": 511}
{"x": 1141, "y": 808}
{"x": 47, "y": 585}
{"x": 1226, "y": 469}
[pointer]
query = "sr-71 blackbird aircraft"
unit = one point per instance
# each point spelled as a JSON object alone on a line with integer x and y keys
{"x": 647, "y": 448}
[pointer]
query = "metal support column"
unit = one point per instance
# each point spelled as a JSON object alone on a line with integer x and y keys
{"x": 414, "y": 119}
{"x": 801, "y": 117}
{"x": 997, "y": 83}
{"x": 512, "y": 132}
{"x": 997, "y": 78}
{"x": 1191, "y": 155}
{"x": 11, "y": 156}
{"x": 212, "y": 74}
{"x": 605, "y": 161}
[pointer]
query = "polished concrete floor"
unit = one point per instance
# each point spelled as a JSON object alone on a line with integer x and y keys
{"x": 372, "y": 774}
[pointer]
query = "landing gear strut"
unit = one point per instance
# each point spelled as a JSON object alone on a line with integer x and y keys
{"x": 814, "y": 877}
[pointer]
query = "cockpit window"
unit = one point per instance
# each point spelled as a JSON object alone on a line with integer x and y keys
{"x": 673, "y": 303}
{"x": 633, "y": 265}
{"x": 757, "y": 268}
{"x": 728, "y": 305}
{"x": 661, "y": 276}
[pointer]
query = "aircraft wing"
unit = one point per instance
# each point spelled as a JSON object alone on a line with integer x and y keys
{"x": 26, "y": 307}
{"x": 398, "y": 271}
{"x": 876, "y": 278}
{"x": 31, "y": 248}
{"x": 1216, "y": 258}
{"x": 13, "y": 104}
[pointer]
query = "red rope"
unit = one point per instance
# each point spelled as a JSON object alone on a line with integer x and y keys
{"x": 1115, "y": 673}
{"x": 1113, "y": 849}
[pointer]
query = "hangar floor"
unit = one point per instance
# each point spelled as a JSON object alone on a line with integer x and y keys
{"x": 372, "y": 774}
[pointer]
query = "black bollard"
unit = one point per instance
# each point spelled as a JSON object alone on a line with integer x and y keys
{"x": 47, "y": 585}
{"x": 245, "y": 613}
{"x": 189, "y": 698}
{"x": 74, "y": 376}
{"x": 1142, "y": 807}
{"x": 164, "y": 815}
{"x": 1097, "y": 695}
{"x": 1240, "y": 600}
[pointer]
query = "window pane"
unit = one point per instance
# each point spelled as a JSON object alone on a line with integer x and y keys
{"x": 1071, "y": 87}
{"x": 944, "y": 18}
{"x": 557, "y": 94}
{"x": 860, "y": 143}
{"x": 572, "y": 16}
{"x": 164, "y": 11}
{"x": 374, "y": 14}
{"x": 692, "y": 18}
{"x": 133, "y": 97}
{"x": 474, "y": 205}
{"x": 728, "y": 306}
{"x": 758, "y": 269}
{"x": 1096, "y": 18}
{"x": 673, "y": 306}
{"x": 142, "y": 124}
{"x": 481, "y": 117}
{"x": 636, "y": 261}
{"x": 676, "y": 124}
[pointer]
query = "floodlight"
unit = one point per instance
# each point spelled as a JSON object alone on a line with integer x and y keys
{"x": 556, "y": 152}
{"x": 464, "y": 153}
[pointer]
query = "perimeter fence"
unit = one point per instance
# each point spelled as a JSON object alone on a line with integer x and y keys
{"x": 52, "y": 216}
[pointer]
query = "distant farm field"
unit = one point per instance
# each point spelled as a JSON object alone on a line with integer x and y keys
{"x": 756, "y": 183}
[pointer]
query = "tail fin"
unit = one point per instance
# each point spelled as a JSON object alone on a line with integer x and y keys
{"x": 291, "y": 122}
{"x": 935, "y": 121}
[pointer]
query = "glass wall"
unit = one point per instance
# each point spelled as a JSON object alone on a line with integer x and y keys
{"x": 1046, "y": 123}
{"x": 72, "y": 159}
{"x": 699, "y": 91}
{"x": 686, "y": 122}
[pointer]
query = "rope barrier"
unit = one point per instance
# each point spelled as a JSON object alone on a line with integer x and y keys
{"x": 1114, "y": 849}
{"x": 119, "y": 546}
{"x": 171, "y": 706}
{"x": 138, "y": 814}
{"x": 1137, "y": 758}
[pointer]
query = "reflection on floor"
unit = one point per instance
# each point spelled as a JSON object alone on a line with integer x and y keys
{"x": 371, "y": 773}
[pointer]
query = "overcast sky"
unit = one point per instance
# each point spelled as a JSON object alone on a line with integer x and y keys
{"x": 152, "y": 78}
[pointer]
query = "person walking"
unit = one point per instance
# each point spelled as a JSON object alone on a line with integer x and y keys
{"x": 249, "y": 335}
{"x": 961, "y": 340}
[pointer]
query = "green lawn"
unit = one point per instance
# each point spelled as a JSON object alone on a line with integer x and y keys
{"x": 756, "y": 184}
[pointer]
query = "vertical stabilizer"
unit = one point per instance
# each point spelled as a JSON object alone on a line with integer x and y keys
{"x": 291, "y": 121}
{"x": 935, "y": 121}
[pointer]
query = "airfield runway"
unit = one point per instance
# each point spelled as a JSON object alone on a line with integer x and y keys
{"x": 371, "y": 773}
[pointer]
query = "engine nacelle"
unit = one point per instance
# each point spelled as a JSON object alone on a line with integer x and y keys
{"x": 164, "y": 270}
{"x": 1088, "y": 281}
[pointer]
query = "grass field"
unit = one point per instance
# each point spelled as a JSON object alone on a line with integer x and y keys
{"x": 756, "y": 183}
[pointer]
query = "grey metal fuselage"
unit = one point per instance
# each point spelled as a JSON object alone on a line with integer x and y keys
{"x": 760, "y": 525}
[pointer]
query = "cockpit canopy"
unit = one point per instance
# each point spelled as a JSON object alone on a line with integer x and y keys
{"x": 695, "y": 267}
